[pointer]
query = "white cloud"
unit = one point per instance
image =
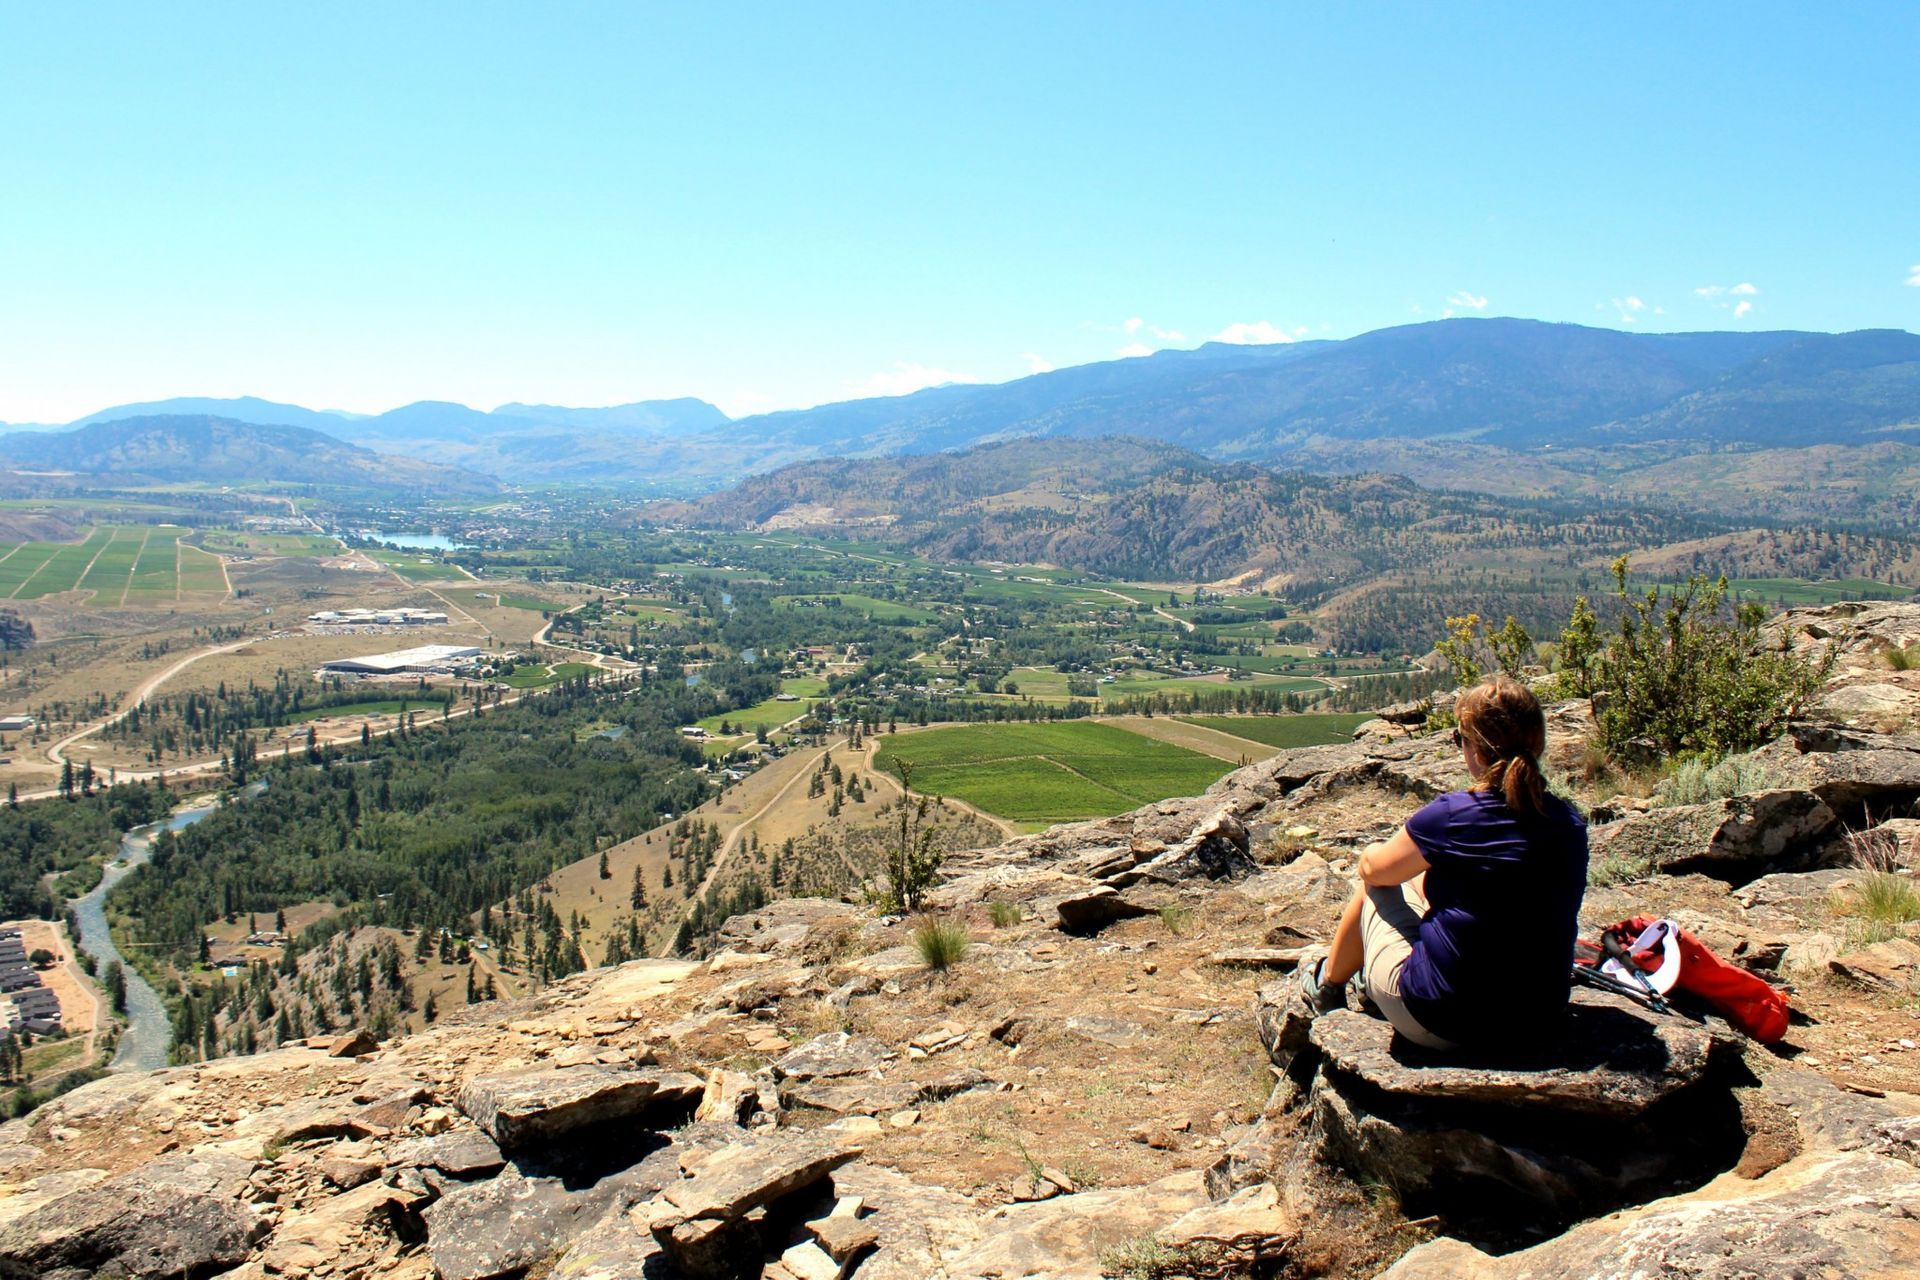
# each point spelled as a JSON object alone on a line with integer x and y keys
{"x": 1629, "y": 308}
{"x": 1133, "y": 325}
{"x": 1743, "y": 290}
{"x": 1037, "y": 364}
{"x": 904, "y": 379}
{"x": 1913, "y": 276}
{"x": 1742, "y": 309}
{"x": 1252, "y": 333}
{"x": 1471, "y": 301}
{"x": 1711, "y": 290}
{"x": 1166, "y": 335}
{"x": 1133, "y": 349}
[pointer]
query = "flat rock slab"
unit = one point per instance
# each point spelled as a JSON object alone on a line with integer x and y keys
{"x": 1117, "y": 1032}
{"x": 181, "y": 1214}
{"x": 831, "y": 1056}
{"x": 467, "y": 1153}
{"x": 1067, "y": 1237}
{"x": 1614, "y": 1059}
{"x": 701, "y": 1223}
{"x": 1826, "y": 1214}
{"x": 533, "y": 1107}
{"x": 736, "y": 1179}
{"x": 870, "y": 1099}
{"x": 1891, "y": 967}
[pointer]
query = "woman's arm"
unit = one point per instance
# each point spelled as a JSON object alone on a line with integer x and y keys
{"x": 1393, "y": 861}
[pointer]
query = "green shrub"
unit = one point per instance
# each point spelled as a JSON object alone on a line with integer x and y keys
{"x": 912, "y": 859}
{"x": 1684, "y": 674}
{"x": 1905, "y": 658}
{"x": 1697, "y": 780}
{"x": 1004, "y": 914}
{"x": 1176, "y": 918}
{"x": 941, "y": 944}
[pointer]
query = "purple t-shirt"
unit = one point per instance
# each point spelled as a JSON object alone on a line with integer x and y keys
{"x": 1503, "y": 892}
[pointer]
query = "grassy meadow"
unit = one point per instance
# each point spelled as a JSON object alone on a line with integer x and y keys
{"x": 1045, "y": 773}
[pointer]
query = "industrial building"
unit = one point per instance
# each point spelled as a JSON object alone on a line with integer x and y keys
{"x": 427, "y": 659}
{"x": 28, "y": 1004}
{"x": 378, "y": 618}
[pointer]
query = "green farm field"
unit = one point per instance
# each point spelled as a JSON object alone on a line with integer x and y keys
{"x": 1311, "y": 729}
{"x": 1132, "y": 684}
{"x": 270, "y": 544}
{"x": 772, "y": 713}
{"x": 414, "y": 567}
{"x": 120, "y": 565}
{"x": 1040, "y": 774}
{"x": 535, "y": 675}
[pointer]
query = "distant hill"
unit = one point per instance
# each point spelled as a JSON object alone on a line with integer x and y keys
{"x": 190, "y": 447}
{"x": 1495, "y": 404}
{"x": 1521, "y": 384}
{"x": 1139, "y": 509}
{"x": 525, "y": 442}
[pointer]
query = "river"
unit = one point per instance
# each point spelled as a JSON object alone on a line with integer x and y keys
{"x": 149, "y": 1034}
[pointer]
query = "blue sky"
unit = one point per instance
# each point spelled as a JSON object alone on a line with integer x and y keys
{"x": 359, "y": 206}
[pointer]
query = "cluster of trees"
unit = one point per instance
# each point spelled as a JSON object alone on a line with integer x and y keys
{"x": 50, "y": 851}
{"x": 332, "y": 982}
{"x": 198, "y": 721}
{"x": 428, "y": 827}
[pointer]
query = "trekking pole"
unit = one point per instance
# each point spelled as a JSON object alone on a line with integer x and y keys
{"x": 1617, "y": 950}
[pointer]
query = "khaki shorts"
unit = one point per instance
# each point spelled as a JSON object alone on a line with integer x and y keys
{"x": 1389, "y": 926}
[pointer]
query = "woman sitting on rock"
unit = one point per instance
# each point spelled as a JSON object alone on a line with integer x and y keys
{"x": 1462, "y": 932}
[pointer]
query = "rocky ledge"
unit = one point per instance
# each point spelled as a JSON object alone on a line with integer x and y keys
{"x": 1114, "y": 1084}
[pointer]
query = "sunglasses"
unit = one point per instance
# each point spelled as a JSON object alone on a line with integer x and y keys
{"x": 1458, "y": 739}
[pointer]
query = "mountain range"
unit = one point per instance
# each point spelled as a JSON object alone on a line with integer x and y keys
{"x": 1501, "y": 405}
{"x": 172, "y": 448}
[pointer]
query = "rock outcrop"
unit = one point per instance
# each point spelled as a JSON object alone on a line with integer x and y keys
{"x": 1114, "y": 1084}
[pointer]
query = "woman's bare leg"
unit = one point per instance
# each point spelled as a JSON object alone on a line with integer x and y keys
{"x": 1346, "y": 953}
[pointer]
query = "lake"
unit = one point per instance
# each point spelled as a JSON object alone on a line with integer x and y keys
{"x": 421, "y": 541}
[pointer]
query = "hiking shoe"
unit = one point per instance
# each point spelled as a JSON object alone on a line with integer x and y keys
{"x": 1321, "y": 996}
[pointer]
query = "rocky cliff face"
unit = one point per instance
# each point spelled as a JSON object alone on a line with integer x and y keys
{"x": 1114, "y": 1080}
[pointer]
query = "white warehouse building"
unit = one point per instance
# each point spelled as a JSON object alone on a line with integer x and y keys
{"x": 428, "y": 658}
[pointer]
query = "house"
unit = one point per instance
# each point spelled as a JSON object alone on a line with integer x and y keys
{"x": 694, "y": 732}
{"x": 14, "y": 724}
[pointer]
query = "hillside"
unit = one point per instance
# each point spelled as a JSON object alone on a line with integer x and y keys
{"x": 1115, "y": 1077}
{"x": 1519, "y": 385}
{"x": 527, "y": 442}
{"x": 190, "y": 448}
{"x": 1495, "y": 405}
{"x": 1134, "y": 509}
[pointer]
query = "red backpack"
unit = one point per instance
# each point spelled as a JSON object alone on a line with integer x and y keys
{"x": 1682, "y": 963}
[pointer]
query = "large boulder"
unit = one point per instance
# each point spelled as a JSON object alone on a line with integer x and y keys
{"x": 1623, "y": 1105}
{"x": 1736, "y": 839}
{"x": 1613, "y": 1059}
{"x": 529, "y": 1108}
{"x": 831, "y": 1056}
{"x": 179, "y": 1215}
{"x": 504, "y": 1225}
